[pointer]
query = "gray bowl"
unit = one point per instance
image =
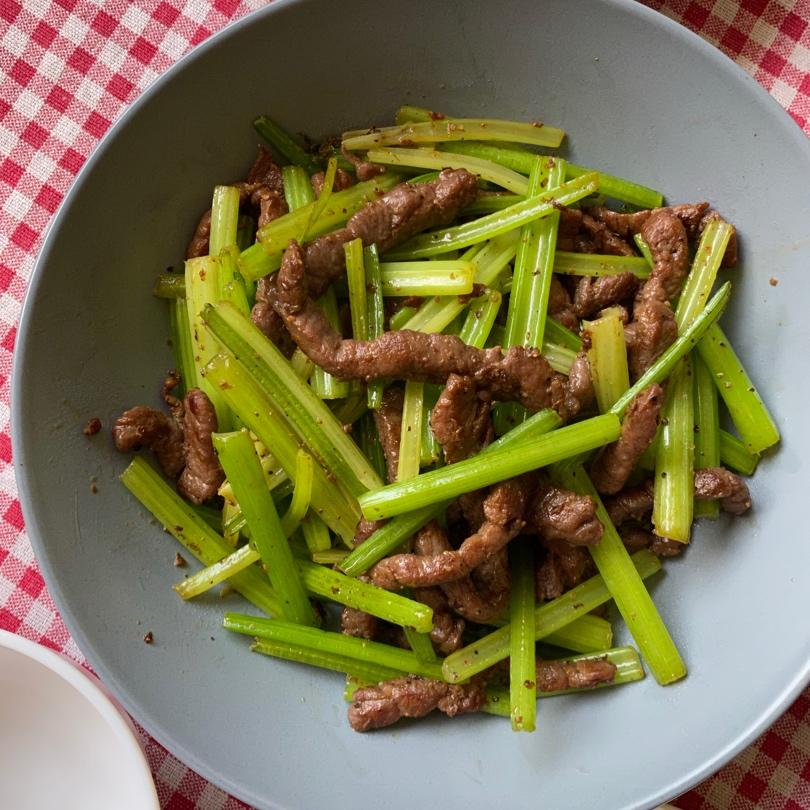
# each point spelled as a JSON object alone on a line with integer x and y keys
{"x": 640, "y": 97}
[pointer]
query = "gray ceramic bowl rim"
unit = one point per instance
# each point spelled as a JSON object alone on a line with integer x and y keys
{"x": 153, "y": 726}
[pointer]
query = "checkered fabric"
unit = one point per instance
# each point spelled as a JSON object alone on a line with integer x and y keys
{"x": 68, "y": 68}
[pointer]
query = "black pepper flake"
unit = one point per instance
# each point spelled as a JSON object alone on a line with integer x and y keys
{"x": 94, "y": 488}
{"x": 148, "y": 638}
{"x": 179, "y": 560}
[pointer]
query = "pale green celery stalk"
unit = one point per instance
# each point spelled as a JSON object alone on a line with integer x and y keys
{"x": 329, "y": 556}
{"x": 368, "y": 673}
{"x": 314, "y": 422}
{"x": 369, "y": 652}
{"x": 302, "y": 494}
{"x": 522, "y": 660}
{"x": 595, "y": 264}
{"x": 408, "y": 113}
{"x": 285, "y": 144}
{"x": 231, "y": 283}
{"x": 512, "y": 157}
{"x": 608, "y": 358}
{"x": 674, "y": 462}
{"x": 242, "y": 468}
{"x": 625, "y": 585}
{"x": 358, "y": 294}
{"x": 466, "y": 476}
{"x": 433, "y": 159}
{"x": 480, "y": 318}
{"x": 203, "y": 288}
{"x": 324, "y": 384}
{"x": 647, "y": 458}
{"x": 410, "y": 440}
{"x": 425, "y": 279}
{"x": 586, "y": 634}
{"x": 262, "y": 415}
{"x": 707, "y": 431}
{"x": 376, "y": 315}
{"x": 217, "y": 572}
{"x": 437, "y": 314}
{"x": 301, "y": 365}
{"x": 349, "y": 410}
{"x": 319, "y": 206}
{"x": 559, "y": 358}
{"x": 197, "y": 537}
{"x": 400, "y": 318}
{"x": 316, "y": 535}
{"x": 561, "y": 335}
{"x": 274, "y": 476}
{"x": 170, "y": 286}
{"x": 224, "y": 219}
{"x": 181, "y": 344}
{"x": 230, "y": 523}
{"x": 264, "y": 256}
{"x": 491, "y": 202}
{"x": 297, "y": 187}
{"x": 498, "y": 223}
{"x": 625, "y": 659}
{"x": 430, "y": 449}
{"x": 246, "y": 232}
{"x": 734, "y": 454}
{"x": 749, "y": 413}
{"x": 388, "y": 537}
{"x": 698, "y": 285}
{"x": 369, "y": 442}
{"x": 644, "y": 249}
{"x": 683, "y": 344}
{"x": 421, "y": 645}
{"x": 392, "y": 607}
{"x": 549, "y": 618}
{"x": 454, "y": 129}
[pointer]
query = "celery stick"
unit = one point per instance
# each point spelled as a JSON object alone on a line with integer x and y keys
{"x": 320, "y": 203}
{"x": 433, "y": 159}
{"x": 400, "y": 318}
{"x": 626, "y": 586}
{"x": 410, "y": 440}
{"x": 370, "y": 652}
{"x": 559, "y": 358}
{"x": 424, "y": 279}
{"x": 644, "y": 249}
{"x": 224, "y": 219}
{"x": 316, "y": 534}
{"x": 285, "y": 144}
{"x": 217, "y": 572}
{"x": 734, "y": 454}
{"x": 684, "y": 343}
{"x": 181, "y": 345}
{"x": 329, "y": 556}
{"x": 245, "y": 232}
{"x": 297, "y": 187}
{"x": 375, "y": 315}
{"x": 430, "y": 449}
{"x": 314, "y": 422}
{"x": 480, "y": 318}
{"x": 301, "y": 365}
{"x": 263, "y": 416}
{"x": 238, "y": 459}
{"x": 548, "y": 618}
{"x": 586, "y": 634}
{"x": 231, "y": 283}
{"x": 302, "y": 494}
{"x": 465, "y": 476}
{"x": 562, "y": 336}
{"x": 522, "y": 680}
{"x": 421, "y": 645}
{"x": 358, "y": 294}
{"x": 324, "y": 384}
{"x": 170, "y": 286}
{"x": 748, "y": 412}
{"x": 707, "y": 431}
{"x": 369, "y": 442}
{"x": 498, "y": 223}
{"x": 408, "y": 113}
{"x": 197, "y": 537}
{"x": 455, "y": 129}
{"x": 608, "y": 359}
{"x": 596, "y": 264}
{"x": 490, "y": 203}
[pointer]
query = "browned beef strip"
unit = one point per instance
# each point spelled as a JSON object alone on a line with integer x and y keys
{"x": 356, "y": 623}
{"x": 554, "y": 676}
{"x": 558, "y": 514}
{"x": 142, "y": 426}
{"x": 635, "y": 537}
{"x": 560, "y": 307}
{"x": 504, "y": 508}
{"x": 412, "y": 696}
{"x": 719, "y": 483}
{"x": 668, "y": 241}
{"x": 598, "y": 238}
{"x": 202, "y": 475}
{"x": 613, "y": 465}
{"x": 266, "y": 318}
{"x": 461, "y": 420}
{"x": 388, "y": 420}
{"x": 664, "y": 547}
{"x": 364, "y": 530}
{"x": 448, "y": 629}
{"x": 270, "y": 203}
{"x": 594, "y": 293}
{"x": 198, "y": 245}
{"x": 560, "y": 568}
{"x": 266, "y": 172}
{"x": 364, "y": 169}
{"x": 521, "y": 375}
{"x": 632, "y": 503}
{"x": 651, "y": 332}
{"x": 627, "y": 225}
{"x": 343, "y": 180}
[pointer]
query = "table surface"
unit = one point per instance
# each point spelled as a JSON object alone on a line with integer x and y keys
{"x": 68, "y": 68}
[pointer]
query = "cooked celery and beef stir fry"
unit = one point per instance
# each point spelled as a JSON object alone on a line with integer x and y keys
{"x": 466, "y": 391}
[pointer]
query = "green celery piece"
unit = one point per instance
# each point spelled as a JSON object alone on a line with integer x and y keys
{"x": 285, "y": 144}
{"x": 522, "y": 661}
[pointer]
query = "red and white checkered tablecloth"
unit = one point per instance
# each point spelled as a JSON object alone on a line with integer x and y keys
{"x": 68, "y": 68}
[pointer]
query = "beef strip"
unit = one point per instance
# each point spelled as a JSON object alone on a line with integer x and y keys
{"x": 729, "y": 488}
{"x": 388, "y": 420}
{"x": 461, "y": 419}
{"x": 448, "y": 630}
{"x": 356, "y": 623}
{"x": 142, "y": 426}
{"x": 664, "y": 547}
{"x": 613, "y": 465}
{"x": 560, "y": 568}
{"x": 521, "y": 375}
{"x": 555, "y": 676}
{"x": 635, "y": 537}
{"x": 364, "y": 169}
{"x": 558, "y": 514}
{"x": 412, "y": 696}
{"x": 650, "y": 333}
{"x": 560, "y": 306}
{"x": 343, "y": 180}
{"x": 596, "y": 237}
{"x": 504, "y": 508}
{"x": 594, "y": 293}
{"x": 202, "y": 475}
{"x": 632, "y": 503}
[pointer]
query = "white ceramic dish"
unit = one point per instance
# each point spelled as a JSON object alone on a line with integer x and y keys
{"x": 63, "y": 742}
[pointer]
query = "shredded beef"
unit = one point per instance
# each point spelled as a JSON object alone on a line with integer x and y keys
{"x": 560, "y": 568}
{"x": 632, "y": 503}
{"x": 461, "y": 420}
{"x": 388, "y": 420}
{"x": 664, "y": 547}
{"x": 635, "y": 537}
{"x": 364, "y": 530}
{"x": 364, "y": 169}
{"x": 356, "y": 623}
{"x": 596, "y": 237}
{"x": 267, "y": 319}
{"x": 652, "y": 331}
{"x": 202, "y": 475}
{"x": 142, "y": 426}
{"x": 613, "y": 465}
{"x": 555, "y": 676}
{"x": 558, "y": 514}
{"x": 579, "y": 393}
{"x": 560, "y": 306}
{"x": 343, "y": 180}
{"x": 719, "y": 483}
{"x": 594, "y": 293}
{"x": 448, "y": 630}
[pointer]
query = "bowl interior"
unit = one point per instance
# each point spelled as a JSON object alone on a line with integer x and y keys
{"x": 641, "y": 98}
